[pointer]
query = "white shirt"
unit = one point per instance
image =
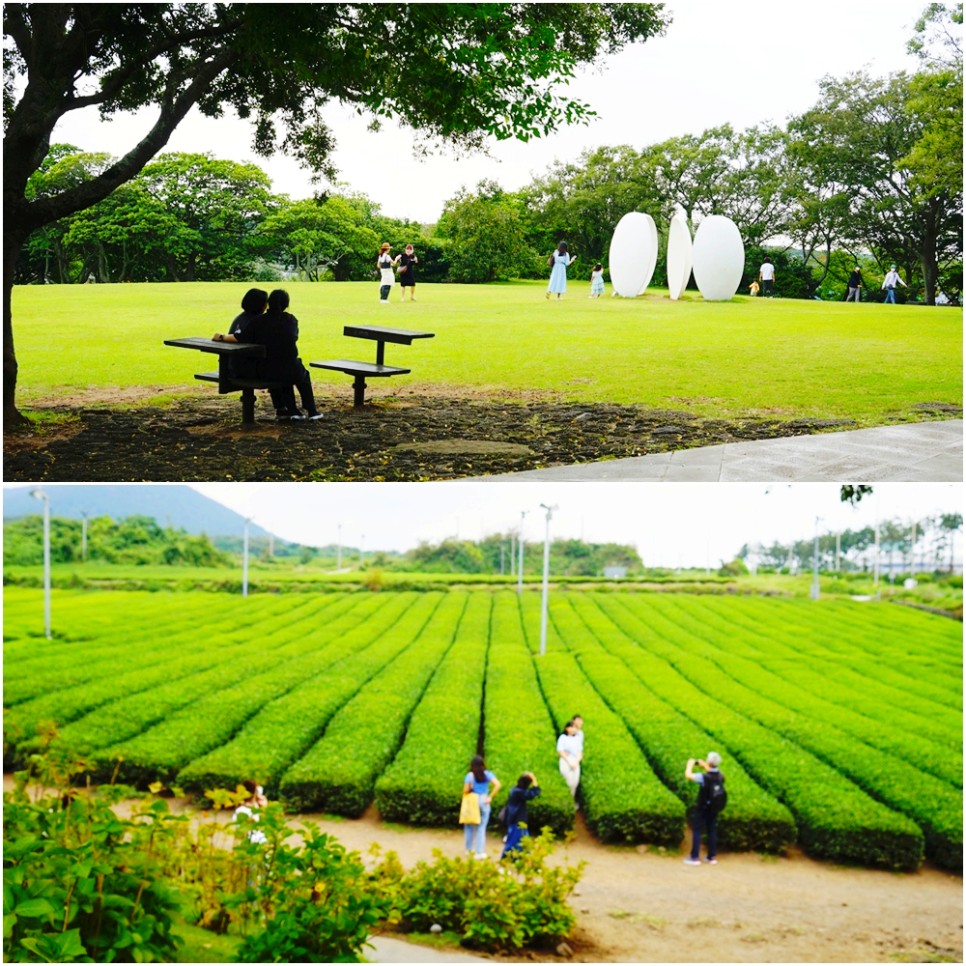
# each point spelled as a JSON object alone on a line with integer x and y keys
{"x": 571, "y": 744}
{"x": 767, "y": 272}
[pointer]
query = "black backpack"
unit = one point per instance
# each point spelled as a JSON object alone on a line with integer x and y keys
{"x": 712, "y": 796}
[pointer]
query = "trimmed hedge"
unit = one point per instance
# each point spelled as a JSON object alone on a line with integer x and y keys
{"x": 754, "y": 820}
{"x": 338, "y": 774}
{"x": 160, "y": 752}
{"x": 836, "y": 819}
{"x": 425, "y": 780}
{"x": 623, "y": 799}
{"x": 282, "y": 731}
{"x": 934, "y": 805}
{"x": 519, "y": 731}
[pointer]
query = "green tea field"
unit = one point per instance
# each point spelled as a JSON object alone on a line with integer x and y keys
{"x": 839, "y": 722}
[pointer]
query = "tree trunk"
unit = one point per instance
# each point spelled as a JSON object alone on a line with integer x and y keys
{"x": 12, "y": 243}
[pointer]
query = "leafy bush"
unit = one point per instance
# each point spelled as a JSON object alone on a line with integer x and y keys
{"x": 496, "y": 906}
{"x": 81, "y": 884}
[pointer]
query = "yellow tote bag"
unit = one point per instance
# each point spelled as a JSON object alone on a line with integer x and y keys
{"x": 470, "y": 809}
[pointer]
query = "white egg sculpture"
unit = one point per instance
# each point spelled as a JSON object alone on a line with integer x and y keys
{"x": 633, "y": 247}
{"x": 650, "y": 255}
{"x": 719, "y": 258}
{"x": 679, "y": 255}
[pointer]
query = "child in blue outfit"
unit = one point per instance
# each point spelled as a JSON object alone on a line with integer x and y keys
{"x": 597, "y": 281}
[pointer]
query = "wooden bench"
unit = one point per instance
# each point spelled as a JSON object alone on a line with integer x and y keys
{"x": 360, "y": 370}
{"x": 228, "y": 382}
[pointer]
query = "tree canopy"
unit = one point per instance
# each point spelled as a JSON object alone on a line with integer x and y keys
{"x": 481, "y": 69}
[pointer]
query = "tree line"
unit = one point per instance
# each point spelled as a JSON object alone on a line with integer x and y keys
{"x": 871, "y": 174}
{"x": 909, "y": 547}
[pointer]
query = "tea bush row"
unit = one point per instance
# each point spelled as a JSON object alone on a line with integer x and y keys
{"x": 425, "y": 780}
{"x": 705, "y": 642}
{"x": 519, "y": 733}
{"x": 622, "y": 798}
{"x": 338, "y": 774}
{"x": 161, "y": 751}
{"x": 835, "y": 818}
{"x": 754, "y": 820}
{"x": 284, "y": 729}
{"x": 144, "y": 707}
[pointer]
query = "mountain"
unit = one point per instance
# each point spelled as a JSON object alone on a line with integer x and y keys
{"x": 170, "y": 504}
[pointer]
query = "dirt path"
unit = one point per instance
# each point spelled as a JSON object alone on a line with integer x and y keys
{"x": 637, "y": 905}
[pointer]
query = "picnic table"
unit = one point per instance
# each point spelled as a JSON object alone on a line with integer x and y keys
{"x": 226, "y": 380}
{"x": 360, "y": 370}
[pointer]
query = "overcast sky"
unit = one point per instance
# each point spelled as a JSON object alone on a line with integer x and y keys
{"x": 740, "y": 61}
{"x": 689, "y": 524}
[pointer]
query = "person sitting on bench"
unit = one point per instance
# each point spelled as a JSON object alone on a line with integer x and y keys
{"x": 278, "y": 331}
{"x": 253, "y": 306}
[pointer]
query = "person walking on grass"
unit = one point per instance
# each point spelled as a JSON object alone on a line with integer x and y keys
{"x": 558, "y": 262}
{"x": 889, "y": 283}
{"x": 525, "y": 790}
{"x": 855, "y": 286}
{"x": 482, "y": 782}
{"x": 711, "y": 800}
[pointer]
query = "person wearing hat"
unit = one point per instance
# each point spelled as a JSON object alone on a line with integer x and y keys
{"x": 385, "y": 263}
{"x": 705, "y": 816}
{"x": 889, "y": 283}
{"x": 855, "y": 285}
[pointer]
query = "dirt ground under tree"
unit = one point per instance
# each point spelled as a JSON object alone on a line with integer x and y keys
{"x": 421, "y": 433}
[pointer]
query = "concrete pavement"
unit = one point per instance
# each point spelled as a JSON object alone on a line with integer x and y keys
{"x": 907, "y": 453}
{"x": 390, "y": 950}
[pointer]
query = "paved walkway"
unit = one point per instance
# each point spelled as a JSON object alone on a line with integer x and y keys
{"x": 389, "y": 950}
{"x": 907, "y": 453}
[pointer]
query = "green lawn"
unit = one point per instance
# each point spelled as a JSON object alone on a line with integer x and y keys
{"x": 764, "y": 358}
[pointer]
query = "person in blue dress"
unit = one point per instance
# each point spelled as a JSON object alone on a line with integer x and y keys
{"x": 525, "y": 790}
{"x": 558, "y": 262}
{"x": 597, "y": 281}
{"x": 482, "y": 782}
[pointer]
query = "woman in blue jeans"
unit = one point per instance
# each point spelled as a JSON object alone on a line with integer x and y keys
{"x": 482, "y": 782}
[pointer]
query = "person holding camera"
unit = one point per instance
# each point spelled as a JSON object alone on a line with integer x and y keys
{"x": 711, "y": 800}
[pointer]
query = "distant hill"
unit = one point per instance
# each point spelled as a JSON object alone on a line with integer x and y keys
{"x": 170, "y": 504}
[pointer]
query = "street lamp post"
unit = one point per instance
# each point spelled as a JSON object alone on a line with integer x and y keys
{"x": 248, "y": 520}
{"x": 546, "y": 580}
{"x": 41, "y": 495}
{"x": 523, "y": 514}
{"x": 814, "y": 593}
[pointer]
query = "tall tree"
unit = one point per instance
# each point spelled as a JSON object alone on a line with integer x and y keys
{"x": 858, "y": 138}
{"x": 479, "y": 70}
